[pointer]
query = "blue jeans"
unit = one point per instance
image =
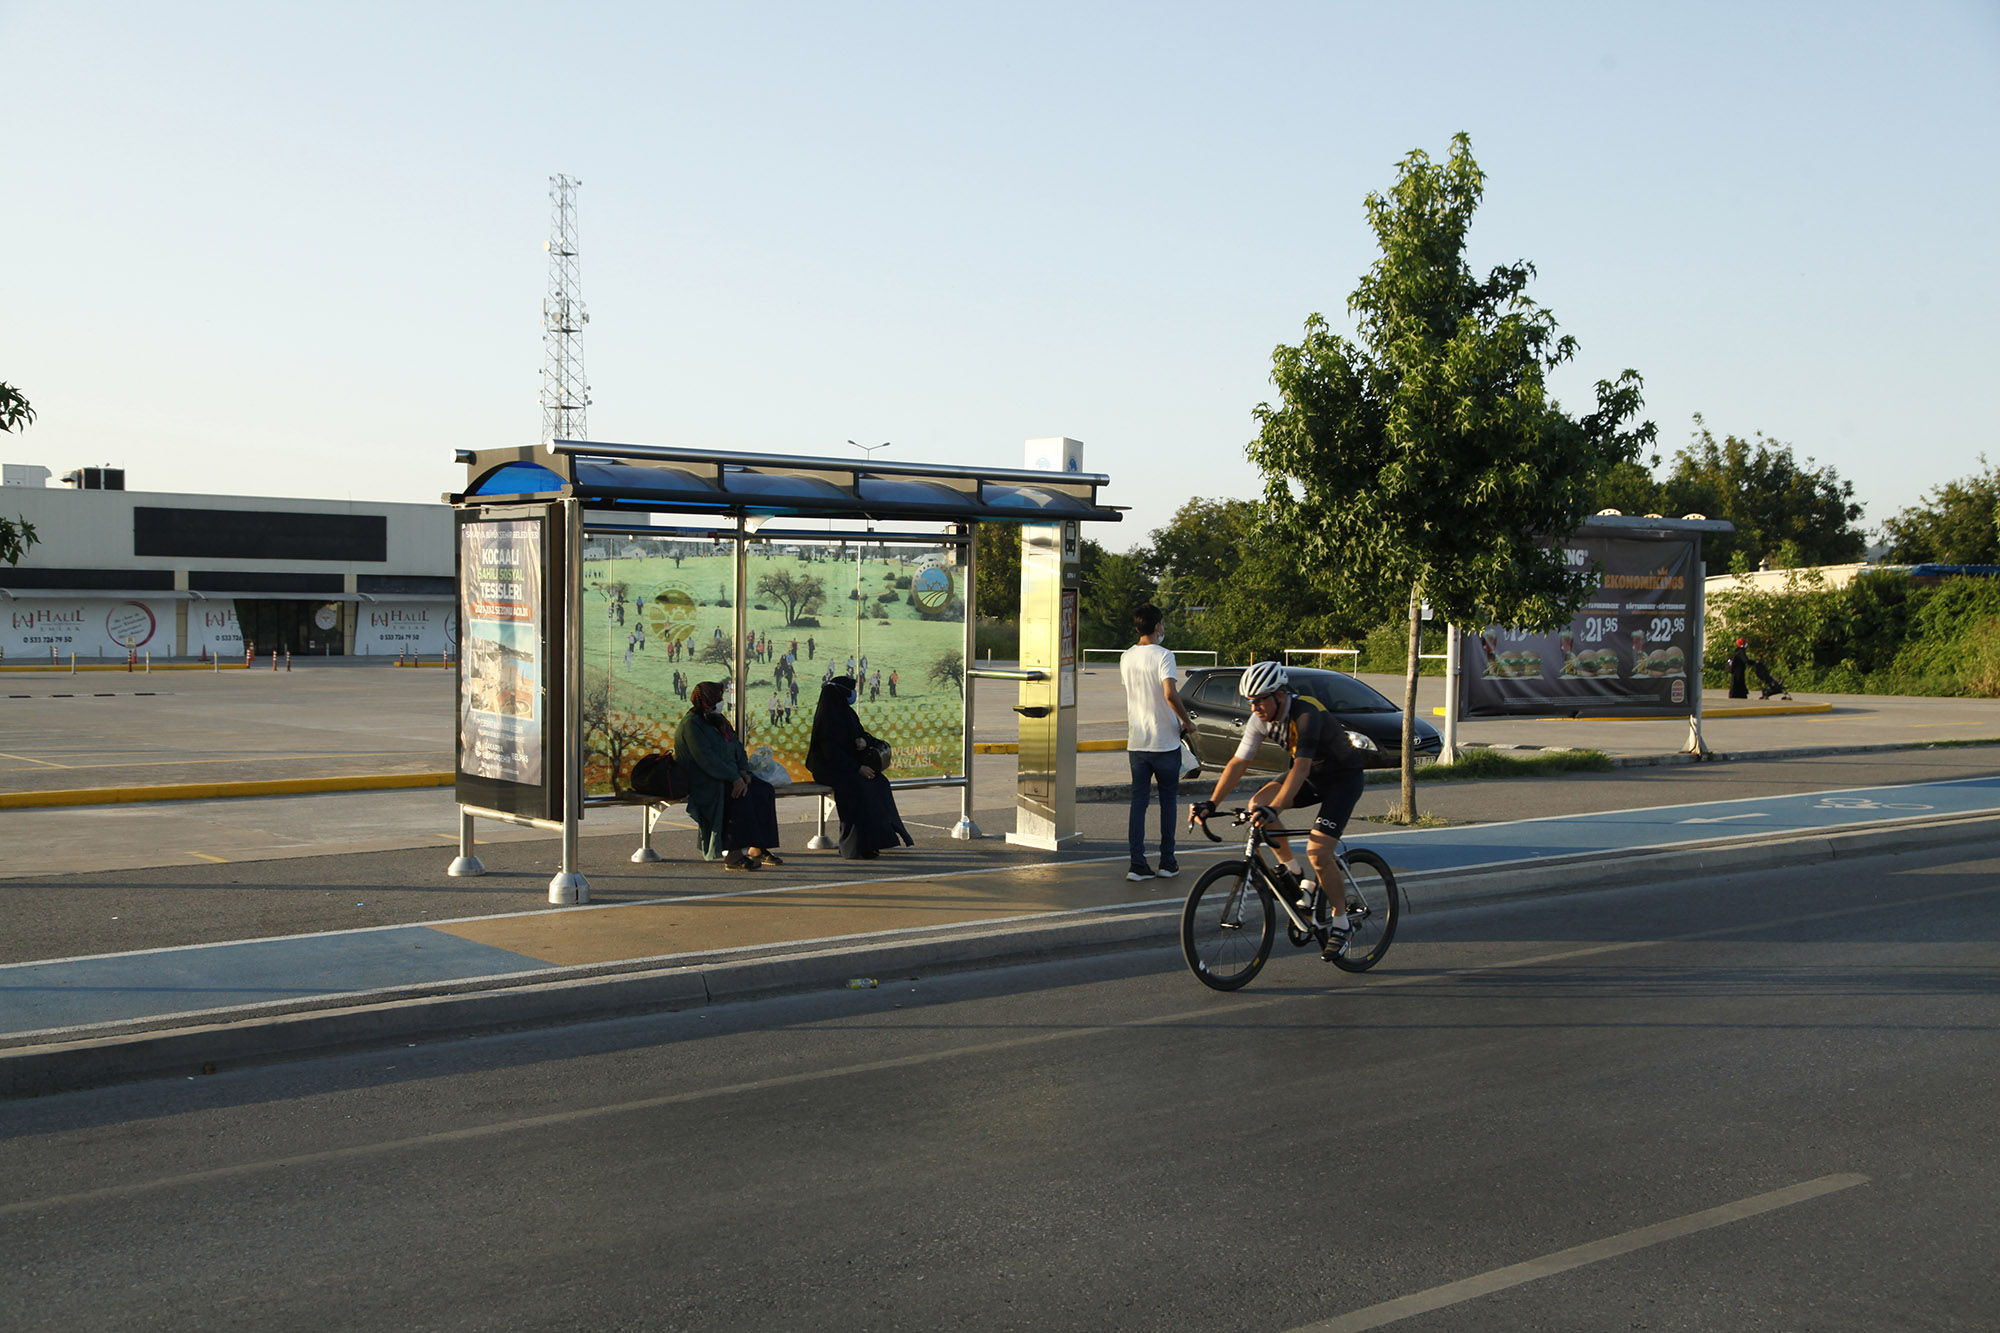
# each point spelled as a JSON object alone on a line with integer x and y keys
{"x": 1149, "y": 766}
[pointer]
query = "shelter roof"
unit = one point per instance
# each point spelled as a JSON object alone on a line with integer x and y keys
{"x": 664, "y": 479}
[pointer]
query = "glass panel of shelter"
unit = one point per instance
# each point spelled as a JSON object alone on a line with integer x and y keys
{"x": 659, "y": 617}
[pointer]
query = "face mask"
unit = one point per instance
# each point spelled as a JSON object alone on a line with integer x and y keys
{"x": 852, "y": 695}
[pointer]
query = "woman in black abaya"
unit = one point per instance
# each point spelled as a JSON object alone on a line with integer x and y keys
{"x": 840, "y": 756}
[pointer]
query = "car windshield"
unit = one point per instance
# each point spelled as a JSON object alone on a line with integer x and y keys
{"x": 1344, "y": 694}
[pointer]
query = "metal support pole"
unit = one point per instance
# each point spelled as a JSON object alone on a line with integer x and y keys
{"x": 739, "y": 674}
{"x": 646, "y": 854}
{"x": 1454, "y": 664}
{"x": 966, "y": 829}
{"x": 569, "y": 886}
{"x": 1695, "y": 744}
{"x": 467, "y": 864}
{"x": 819, "y": 842}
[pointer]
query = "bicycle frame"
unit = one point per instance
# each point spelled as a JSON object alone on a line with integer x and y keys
{"x": 1253, "y": 848}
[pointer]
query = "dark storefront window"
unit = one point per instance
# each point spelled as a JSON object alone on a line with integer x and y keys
{"x": 291, "y": 626}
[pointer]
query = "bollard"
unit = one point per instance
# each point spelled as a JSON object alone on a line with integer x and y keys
{"x": 53, "y": 659}
{"x": 215, "y": 665}
{"x": 274, "y": 659}
{"x": 249, "y": 654}
{"x": 288, "y": 661}
{"x": 149, "y": 661}
{"x": 72, "y": 662}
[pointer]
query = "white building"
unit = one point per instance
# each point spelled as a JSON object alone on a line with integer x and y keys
{"x": 175, "y": 575}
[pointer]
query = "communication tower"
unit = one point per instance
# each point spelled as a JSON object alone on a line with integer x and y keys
{"x": 565, "y": 392}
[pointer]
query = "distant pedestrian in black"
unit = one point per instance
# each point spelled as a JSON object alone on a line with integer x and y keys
{"x": 1739, "y": 670}
{"x": 1740, "y": 661}
{"x": 841, "y": 755}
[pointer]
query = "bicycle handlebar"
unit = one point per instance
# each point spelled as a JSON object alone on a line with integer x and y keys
{"x": 1242, "y": 817}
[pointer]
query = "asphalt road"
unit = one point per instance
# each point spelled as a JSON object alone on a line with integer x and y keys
{"x": 1730, "y": 1104}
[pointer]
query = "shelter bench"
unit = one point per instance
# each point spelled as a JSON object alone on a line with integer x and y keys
{"x": 654, "y": 808}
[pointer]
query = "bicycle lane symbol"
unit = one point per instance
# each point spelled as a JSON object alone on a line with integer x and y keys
{"x": 1866, "y": 803}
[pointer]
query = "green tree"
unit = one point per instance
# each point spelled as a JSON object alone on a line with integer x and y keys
{"x": 1425, "y": 460}
{"x": 1198, "y": 551}
{"x": 16, "y": 534}
{"x": 949, "y": 669}
{"x": 1113, "y": 587}
{"x": 1958, "y": 523}
{"x": 998, "y": 553}
{"x": 1630, "y": 488}
{"x": 1787, "y": 512}
{"x": 801, "y": 593}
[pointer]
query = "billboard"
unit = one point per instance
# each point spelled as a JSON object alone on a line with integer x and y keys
{"x": 35, "y": 624}
{"x": 1629, "y": 652}
{"x": 659, "y": 617}
{"x": 507, "y": 700}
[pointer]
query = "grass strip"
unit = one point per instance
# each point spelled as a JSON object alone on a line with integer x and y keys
{"x": 1490, "y": 764}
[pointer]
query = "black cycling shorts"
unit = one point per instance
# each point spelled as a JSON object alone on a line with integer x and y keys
{"x": 1336, "y": 792}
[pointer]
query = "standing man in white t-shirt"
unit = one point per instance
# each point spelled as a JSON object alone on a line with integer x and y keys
{"x": 1156, "y": 720}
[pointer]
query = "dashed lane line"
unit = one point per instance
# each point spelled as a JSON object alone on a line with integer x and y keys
{"x": 1611, "y": 1247}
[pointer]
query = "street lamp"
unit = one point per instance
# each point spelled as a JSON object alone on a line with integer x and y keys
{"x": 869, "y": 449}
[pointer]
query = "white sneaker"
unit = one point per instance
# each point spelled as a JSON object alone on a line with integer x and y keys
{"x": 1138, "y": 873}
{"x": 1168, "y": 870}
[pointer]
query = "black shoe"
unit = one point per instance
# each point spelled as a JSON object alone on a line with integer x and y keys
{"x": 1139, "y": 872}
{"x": 1169, "y": 869}
{"x": 1336, "y": 945}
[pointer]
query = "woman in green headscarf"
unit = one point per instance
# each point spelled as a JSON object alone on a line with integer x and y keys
{"x": 735, "y": 811}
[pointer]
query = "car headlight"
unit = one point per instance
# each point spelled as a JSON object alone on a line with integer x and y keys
{"x": 1361, "y": 742}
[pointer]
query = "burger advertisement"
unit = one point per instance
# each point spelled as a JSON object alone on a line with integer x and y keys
{"x": 1628, "y": 652}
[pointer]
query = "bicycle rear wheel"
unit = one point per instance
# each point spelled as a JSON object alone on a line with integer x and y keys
{"x": 1372, "y": 908}
{"x": 1227, "y": 925}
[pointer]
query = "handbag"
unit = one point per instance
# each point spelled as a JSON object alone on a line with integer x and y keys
{"x": 877, "y": 754}
{"x": 1190, "y": 766}
{"x": 659, "y": 776}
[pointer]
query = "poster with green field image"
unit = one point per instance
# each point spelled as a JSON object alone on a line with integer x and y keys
{"x": 659, "y": 618}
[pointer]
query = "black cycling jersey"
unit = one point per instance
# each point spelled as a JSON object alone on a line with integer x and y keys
{"x": 1306, "y": 730}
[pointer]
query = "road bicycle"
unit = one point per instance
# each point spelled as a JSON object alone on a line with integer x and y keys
{"x": 1232, "y": 912}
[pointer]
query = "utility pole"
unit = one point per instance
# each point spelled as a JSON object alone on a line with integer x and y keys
{"x": 565, "y": 392}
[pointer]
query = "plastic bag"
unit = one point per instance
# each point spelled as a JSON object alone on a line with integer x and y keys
{"x": 1190, "y": 766}
{"x": 766, "y": 766}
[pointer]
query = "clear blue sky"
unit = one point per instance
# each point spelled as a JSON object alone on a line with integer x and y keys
{"x": 297, "y": 250}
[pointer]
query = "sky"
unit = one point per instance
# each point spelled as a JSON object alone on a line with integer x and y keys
{"x": 297, "y": 250}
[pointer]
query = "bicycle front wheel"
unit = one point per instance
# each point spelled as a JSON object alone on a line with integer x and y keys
{"x": 1372, "y": 908}
{"x": 1227, "y": 926}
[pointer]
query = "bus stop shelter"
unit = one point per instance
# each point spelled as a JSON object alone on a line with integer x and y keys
{"x": 597, "y": 581}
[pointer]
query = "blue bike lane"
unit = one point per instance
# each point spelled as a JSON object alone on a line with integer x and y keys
{"x": 239, "y": 976}
{"x": 1611, "y": 832}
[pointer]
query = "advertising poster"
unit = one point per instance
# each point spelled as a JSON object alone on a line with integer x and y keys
{"x": 502, "y": 704}
{"x": 426, "y": 628}
{"x": 30, "y": 627}
{"x": 1629, "y": 652}
{"x": 659, "y": 618}
{"x": 213, "y": 630}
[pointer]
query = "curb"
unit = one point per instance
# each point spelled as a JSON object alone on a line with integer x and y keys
{"x": 203, "y": 791}
{"x": 89, "y": 1059}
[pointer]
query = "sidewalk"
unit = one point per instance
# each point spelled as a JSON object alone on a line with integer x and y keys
{"x": 111, "y": 973}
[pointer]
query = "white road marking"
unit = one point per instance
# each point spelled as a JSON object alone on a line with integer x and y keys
{"x": 1499, "y": 1279}
{"x": 1723, "y": 819}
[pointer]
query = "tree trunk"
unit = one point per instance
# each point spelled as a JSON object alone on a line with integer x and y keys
{"x": 1409, "y": 811}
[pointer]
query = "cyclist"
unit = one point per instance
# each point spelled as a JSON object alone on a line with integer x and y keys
{"x": 1326, "y": 772}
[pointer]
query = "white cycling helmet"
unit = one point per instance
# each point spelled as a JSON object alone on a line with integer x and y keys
{"x": 1263, "y": 678}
